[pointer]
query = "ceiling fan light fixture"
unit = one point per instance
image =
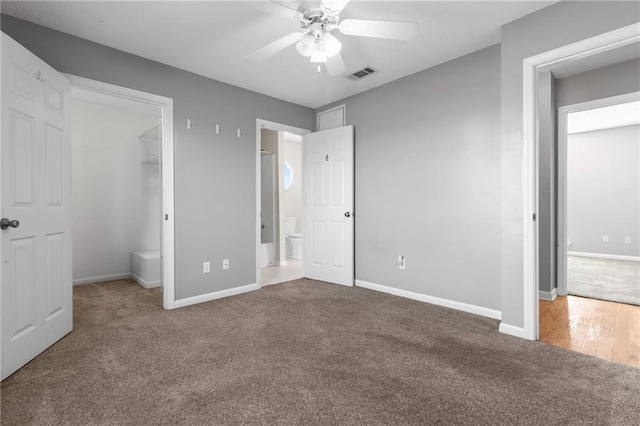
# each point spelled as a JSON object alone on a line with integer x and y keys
{"x": 306, "y": 45}
{"x": 331, "y": 45}
{"x": 318, "y": 55}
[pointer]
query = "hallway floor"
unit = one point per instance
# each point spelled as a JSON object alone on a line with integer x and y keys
{"x": 607, "y": 330}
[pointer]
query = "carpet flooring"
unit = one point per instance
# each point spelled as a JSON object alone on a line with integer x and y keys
{"x": 604, "y": 279}
{"x": 305, "y": 353}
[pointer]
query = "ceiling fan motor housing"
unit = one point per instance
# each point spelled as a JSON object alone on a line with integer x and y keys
{"x": 317, "y": 22}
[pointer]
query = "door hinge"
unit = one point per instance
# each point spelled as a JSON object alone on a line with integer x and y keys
{"x": 166, "y": 217}
{"x": 40, "y": 77}
{"x": 327, "y": 157}
{"x": 534, "y": 217}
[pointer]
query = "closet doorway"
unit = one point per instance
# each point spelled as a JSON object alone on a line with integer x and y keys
{"x": 122, "y": 208}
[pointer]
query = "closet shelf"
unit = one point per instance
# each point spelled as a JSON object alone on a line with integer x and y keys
{"x": 150, "y": 139}
{"x": 151, "y": 134}
{"x": 152, "y": 159}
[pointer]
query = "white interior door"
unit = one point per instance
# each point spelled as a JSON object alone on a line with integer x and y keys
{"x": 328, "y": 232}
{"x": 36, "y": 188}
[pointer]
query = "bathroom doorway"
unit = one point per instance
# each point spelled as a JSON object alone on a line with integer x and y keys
{"x": 280, "y": 204}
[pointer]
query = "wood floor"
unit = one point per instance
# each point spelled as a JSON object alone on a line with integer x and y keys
{"x": 603, "y": 329}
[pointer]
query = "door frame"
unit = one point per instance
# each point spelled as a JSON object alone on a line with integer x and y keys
{"x": 167, "y": 166}
{"x": 530, "y": 167}
{"x": 563, "y": 113}
{"x": 271, "y": 125}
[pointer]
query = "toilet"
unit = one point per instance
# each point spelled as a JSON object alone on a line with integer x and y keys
{"x": 293, "y": 243}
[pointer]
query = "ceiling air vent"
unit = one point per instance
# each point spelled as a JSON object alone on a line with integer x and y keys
{"x": 362, "y": 73}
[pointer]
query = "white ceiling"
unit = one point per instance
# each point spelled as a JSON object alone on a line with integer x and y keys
{"x": 211, "y": 38}
{"x": 627, "y": 114}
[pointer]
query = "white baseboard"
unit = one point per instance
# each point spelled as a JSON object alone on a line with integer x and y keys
{"x": 215, "y": 295}
{"x": 604, "y": 256}
{"x": 512, "y": 330}
{"x": 282, "y": 263}
{"x": 145, "y": 284}
{"x": 465, "y": 307}
{"x": 548, "y": 295}
{"x": 102, "y": 278}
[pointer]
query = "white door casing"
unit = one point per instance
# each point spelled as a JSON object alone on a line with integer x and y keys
{"x": 36, "y": 189}
{"x": 531, "y": 67}
{"x": 97, "y": 91}
{"x": 329, "y": 199}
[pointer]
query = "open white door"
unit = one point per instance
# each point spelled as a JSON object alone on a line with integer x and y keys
{"x": 328, "y": 233}
{"x": 36, "y": 188}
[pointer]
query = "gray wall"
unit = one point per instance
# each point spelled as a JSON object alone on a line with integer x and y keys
{"x": 552, "y": 27}
{"x": 603, "y": 191}
{"x": 613, "y": 80}
{"x": 215, "y": 175}
{"x": 428, "y": 181}
{"x": 547, "y": 182}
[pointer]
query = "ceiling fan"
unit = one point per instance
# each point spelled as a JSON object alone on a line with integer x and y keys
{"x": 315, "y": 40}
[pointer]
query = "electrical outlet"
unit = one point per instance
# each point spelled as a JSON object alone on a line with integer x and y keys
{"x": 627, "y": 240}
{"x": 225, "y": 264}
{"x": 605, "y": 238}
{"x": 206, "y": 267}
{"x": 401, "y": 262}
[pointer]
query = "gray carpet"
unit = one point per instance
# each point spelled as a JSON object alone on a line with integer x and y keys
{"x": 604, "y": 279}
{"x": 301, "y": 353}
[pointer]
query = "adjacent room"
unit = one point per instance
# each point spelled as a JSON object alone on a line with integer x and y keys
{"x": 603, "y": 203}
{"x": 320, "y": 212}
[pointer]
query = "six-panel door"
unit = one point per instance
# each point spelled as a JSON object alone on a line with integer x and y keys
{"x": 36, "y": 189}
{"x": 329, "y": 205}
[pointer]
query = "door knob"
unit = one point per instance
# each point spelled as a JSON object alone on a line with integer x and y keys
{"x": 347, "y": 214}
{"x": 6, "y": 223}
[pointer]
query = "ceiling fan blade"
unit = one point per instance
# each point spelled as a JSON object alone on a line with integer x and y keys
{"x": 274, "y": 47}
{"x": 278, "y": 9}
{"x": 335, "y": 65}
{"x": 394, "y": 30}
{"x": 333, "y": 7}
